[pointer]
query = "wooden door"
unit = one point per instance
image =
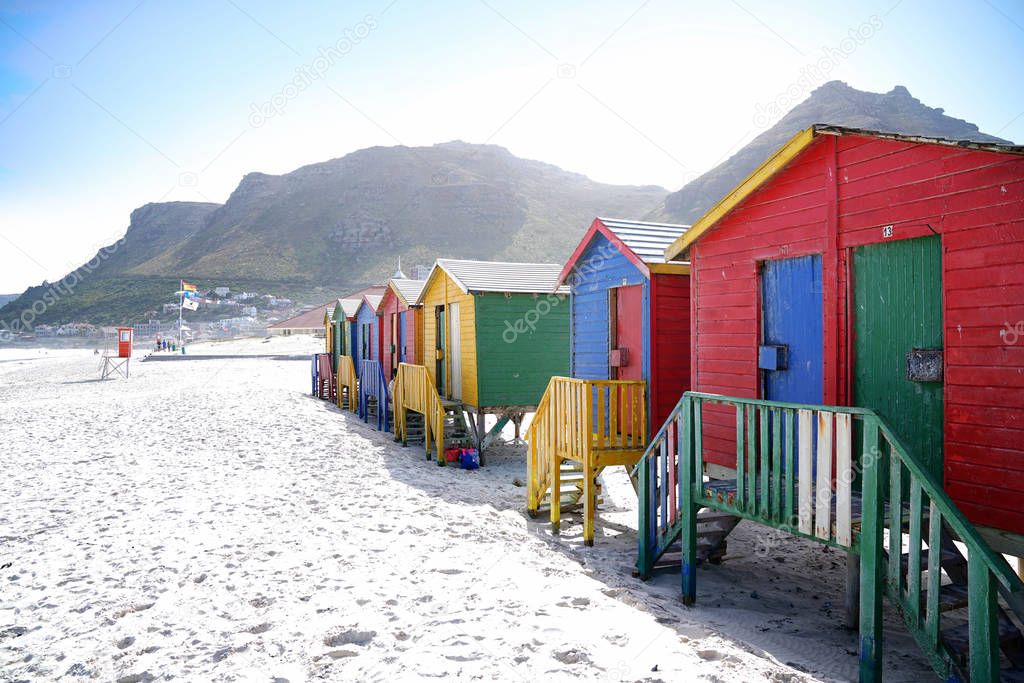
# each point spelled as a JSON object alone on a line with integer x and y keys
{"x": 897, "y": 309}
{"x": 440, "y": 350}
{"x": 792, "y": 304}
{"x": 626, "y": 331}
{"x": 454, "y": 332}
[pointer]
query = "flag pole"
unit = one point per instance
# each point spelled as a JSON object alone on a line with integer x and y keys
{"x": 181, "y": 305}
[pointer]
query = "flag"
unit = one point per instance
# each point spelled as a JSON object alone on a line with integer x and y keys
{"x": 188, "y": 286}
{"x": 190, "y": 304}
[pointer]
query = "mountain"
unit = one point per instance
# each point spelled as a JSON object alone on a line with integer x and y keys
{"x": 896, "y": 111}
{"x": 340, "y": 225}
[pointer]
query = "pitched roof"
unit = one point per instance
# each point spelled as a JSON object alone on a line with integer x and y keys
{"x": 498, "y": 276}
{"x": 312, "y": 319}
{"x": 408, "y": 290}
{"x": 789, "y": 151}
{"x": 372, "y": 301}
{"x": 641, "y": 242}
{"x": 646, "y": 240}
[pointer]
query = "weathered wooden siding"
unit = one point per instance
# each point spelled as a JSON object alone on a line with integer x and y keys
{"x": 601, "y": 267}
{"x": 363, "y": 317}
{"x": 975, "y": 201}
{"x": 670, "y": 339}
{"x": 442, "y": 291}
{"x": 389, "y": 306}
{"x": 523, "y": 341}
{"x": 785, "y": 218}
{"x": 841, "y": 193}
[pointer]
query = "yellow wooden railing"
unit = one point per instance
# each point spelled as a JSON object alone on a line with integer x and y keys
{"x": 414, "y": 390}
{"x": 347, "y": 381}
{"x": 597, "y": 423}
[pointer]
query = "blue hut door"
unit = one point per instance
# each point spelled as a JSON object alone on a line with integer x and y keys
{"x": 400, "y": 332}
{"x": 790, "y": 357}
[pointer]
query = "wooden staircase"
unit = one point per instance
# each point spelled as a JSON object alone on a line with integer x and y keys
{"x": 422, "y": 415}
{"x": 796, "y": 470}
{"x": 347, "y": 385}
{"x": 374, "y": 399}
{"x": 592, "y": 423}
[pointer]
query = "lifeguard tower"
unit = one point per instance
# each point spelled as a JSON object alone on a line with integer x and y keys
{"x": 118, "y": 363}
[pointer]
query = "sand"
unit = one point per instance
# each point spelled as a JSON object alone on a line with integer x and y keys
{"x": 208, "y": 520}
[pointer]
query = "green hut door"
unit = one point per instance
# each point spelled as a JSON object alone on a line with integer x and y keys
{"x": 897, "y": 310}
{"x": 439, "y": 365}
{"x": 455, "y": 331}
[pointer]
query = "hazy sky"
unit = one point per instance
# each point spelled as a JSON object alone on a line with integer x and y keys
{"x": 105, "y": 106}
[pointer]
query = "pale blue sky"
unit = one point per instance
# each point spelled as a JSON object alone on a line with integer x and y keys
{"x": 107, "y": 106}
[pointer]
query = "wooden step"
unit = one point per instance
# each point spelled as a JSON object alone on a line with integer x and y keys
{"x": 951, "y": 597}
{"x": 957, "y": 638}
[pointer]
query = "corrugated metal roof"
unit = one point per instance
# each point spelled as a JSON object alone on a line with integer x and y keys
{"x": 350, "y": 306}
{"x": 647, "y": 240}
{"x": 409, "y": 289}
{"x": 498, "y": 276}
{"x": 373, "y": 300}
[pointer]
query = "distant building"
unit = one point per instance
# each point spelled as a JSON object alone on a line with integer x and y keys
{"x": 222, "y": 291}
{"x": 243, "y": 296}
{"x": 147, "y": 329}
{"x": 249, "y": 311}
{"x": 308, "y": 322}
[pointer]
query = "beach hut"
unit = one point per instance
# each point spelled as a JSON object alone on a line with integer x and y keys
{"x": 630, "y": 313}
{"x": 329, "y": 337}
{"x": 344, "y": 315}
{"x": 631, "y": 310}
{"x": 493, "y": 335}
{"x": 365, "y": 330}
{"x": 857, "y": 349}
{"x": 401, "y": 337}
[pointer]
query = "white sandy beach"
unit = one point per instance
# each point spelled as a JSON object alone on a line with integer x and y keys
{"x": 208, "y": 520}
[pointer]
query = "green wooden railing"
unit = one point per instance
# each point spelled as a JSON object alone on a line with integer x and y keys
{"x": 838, "y": 476}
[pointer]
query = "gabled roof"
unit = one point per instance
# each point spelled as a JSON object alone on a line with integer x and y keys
{"x": 407, "y": 291}
{"x": 497, "y": 276}
{"x": 372, "y": 301}
{"x": 789, "y": 151}
{"x": 349, "y": 303}
{"x": 641, "y": 242}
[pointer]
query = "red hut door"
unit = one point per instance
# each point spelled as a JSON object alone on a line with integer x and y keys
{"x": 395, "y": 351}
{"x": 626, "y": 338}
{"x": 897, "y": 310}
{"x": 626, "y": 332}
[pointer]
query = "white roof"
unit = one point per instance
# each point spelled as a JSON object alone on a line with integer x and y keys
{"x": 647, "y": 240}
{"x": 408, "y": 289}
{"x": 500, "y": 276}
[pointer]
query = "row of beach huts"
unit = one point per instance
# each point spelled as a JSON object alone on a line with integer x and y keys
{"x": 835, "y": 349}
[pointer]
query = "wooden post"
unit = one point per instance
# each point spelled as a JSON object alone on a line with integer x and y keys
{"x": 643, "y": 532}
{"x": 689, "y": 510}
{"x": 481, "y": 431}
{"x": 589, "y": 471}
{"x": 871, "y": 579}
{"x": 982, "y": 621}
{"x": 852, "y": 598}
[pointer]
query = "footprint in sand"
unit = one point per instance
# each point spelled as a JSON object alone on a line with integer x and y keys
{"x": 350, "y": 637}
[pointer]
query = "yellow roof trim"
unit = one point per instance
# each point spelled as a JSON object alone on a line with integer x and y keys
{"x": 762, "y": 173}
{"x": 670, "y": 268}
